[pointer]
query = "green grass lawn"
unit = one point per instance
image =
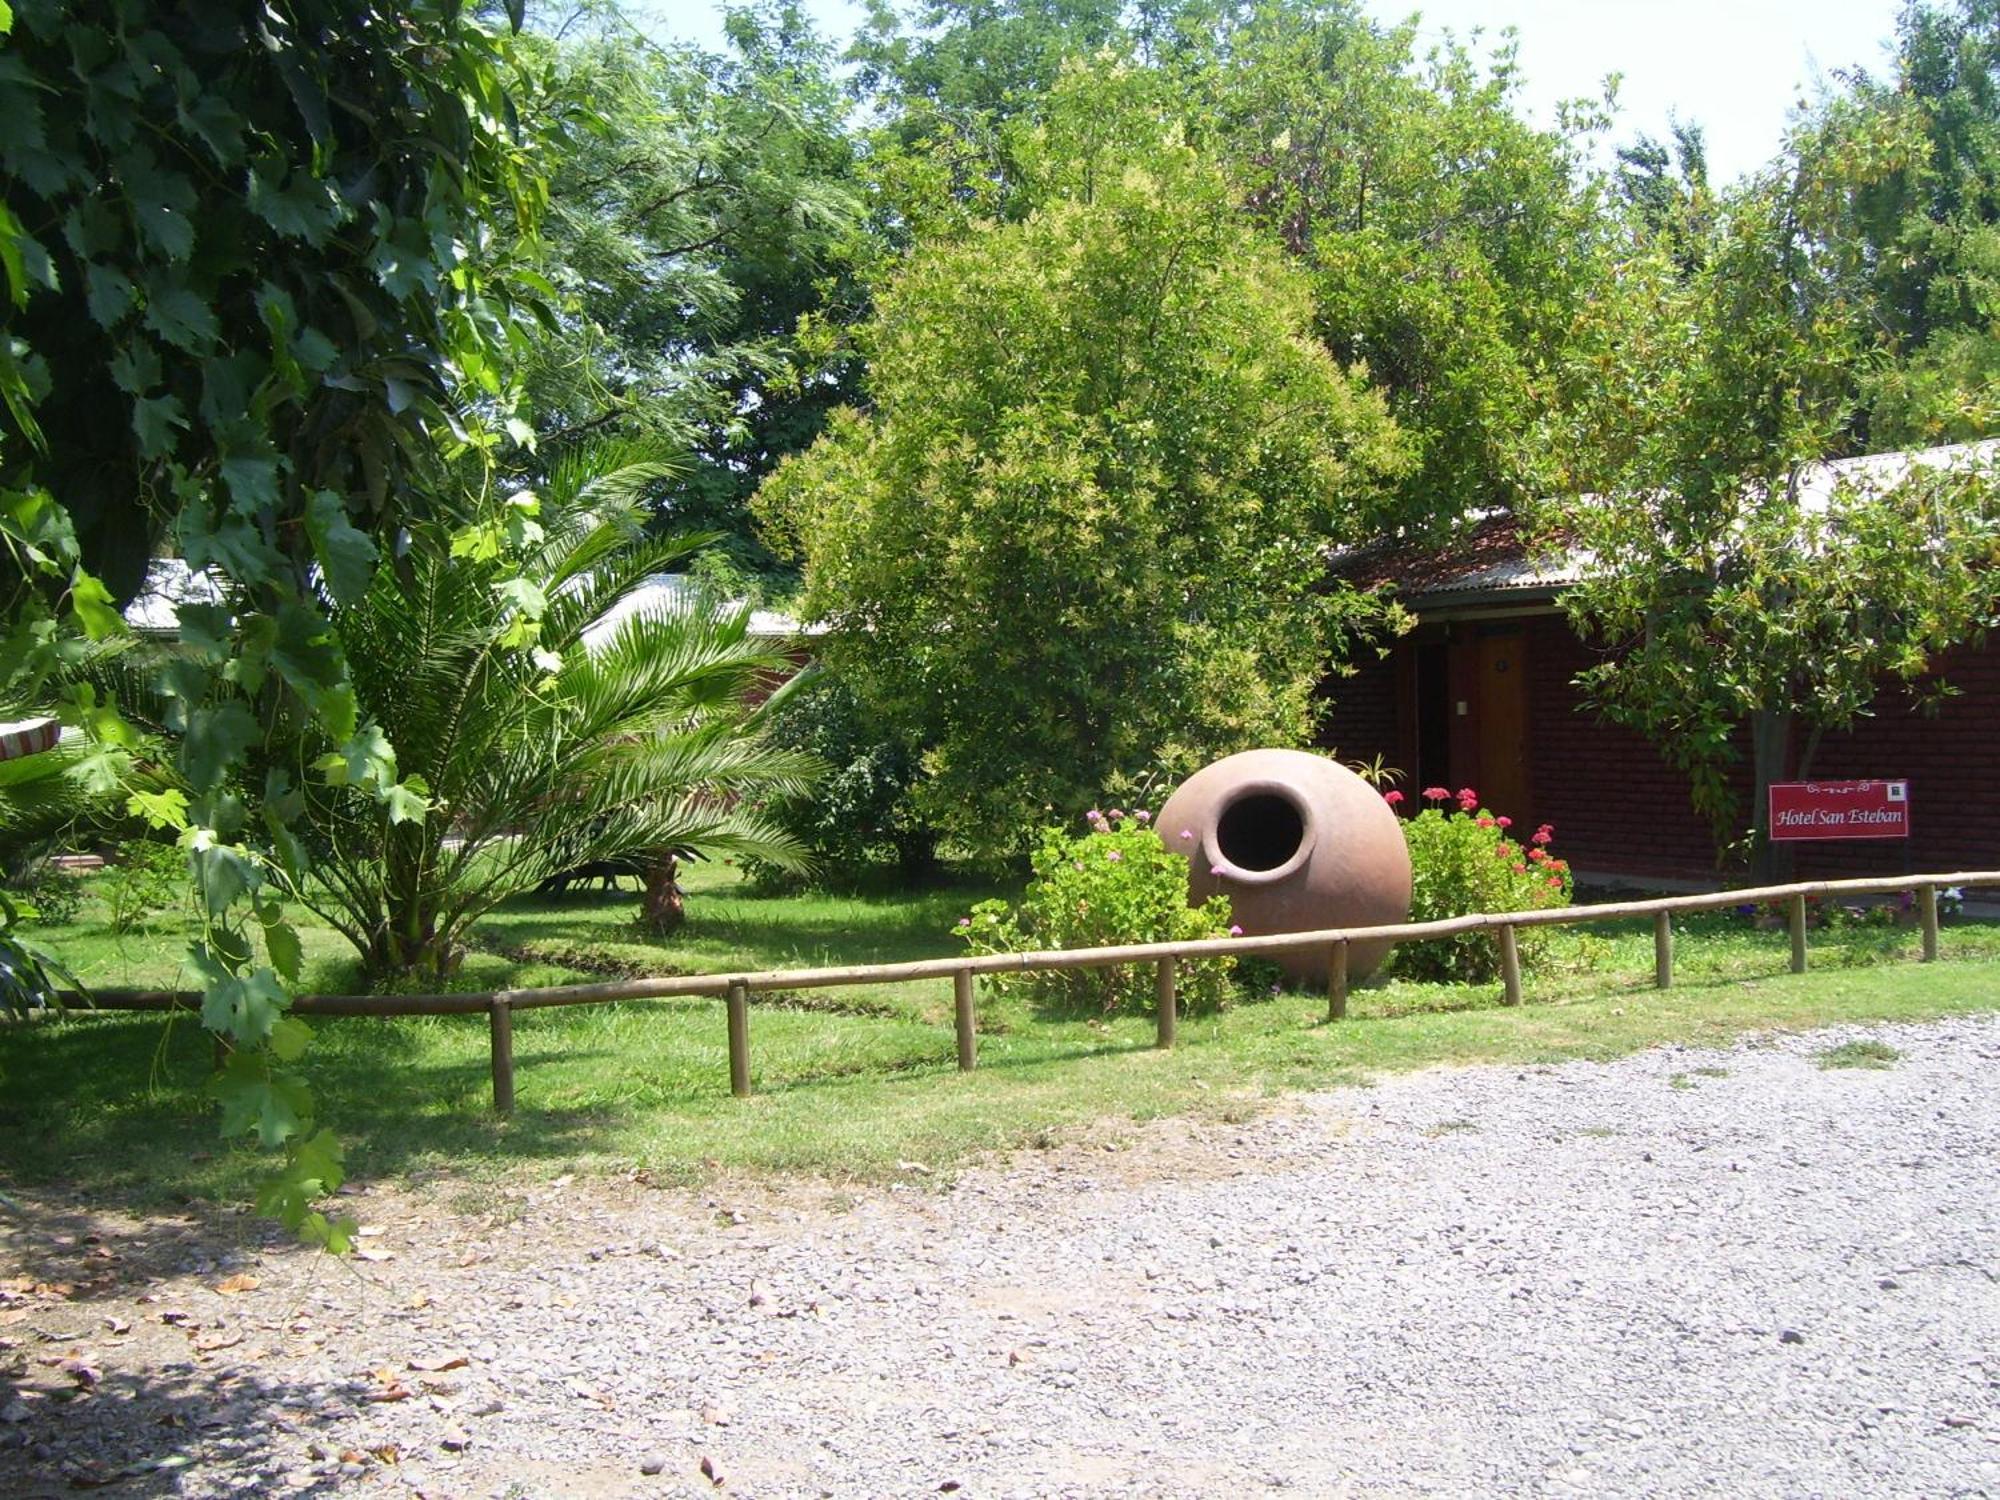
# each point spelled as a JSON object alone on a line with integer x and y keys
{"x": 851, "y": 1083}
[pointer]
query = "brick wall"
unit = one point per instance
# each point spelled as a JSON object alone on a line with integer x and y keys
{"x": 1618, "y": 808}
{"x": 1362, "y": 720}
{"x": 1952, "y": 761}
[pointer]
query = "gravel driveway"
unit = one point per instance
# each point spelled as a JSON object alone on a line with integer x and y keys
{"x": 1729, "y": 1273}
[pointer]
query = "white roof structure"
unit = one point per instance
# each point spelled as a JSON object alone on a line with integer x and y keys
{"x": 675, "y": 593}
{"x": 171, "y": 583}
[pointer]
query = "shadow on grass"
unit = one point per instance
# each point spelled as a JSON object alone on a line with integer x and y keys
{"x": 871, "y": 928}
{"x": 119, "y": 1104}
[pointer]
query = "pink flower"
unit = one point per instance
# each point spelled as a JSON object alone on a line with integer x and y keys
{"x": 1392, "y": 798}
{"x": 1215, "y": 869}
{"x": 1187, "y": 833}
{"x": 1143, "y": 816}
{"x": 1117, "y": 812}
{"x": 1114, "y": 856}
{"x": 965, "y": 921}
{"x": 1436, "y": 793}
{"x": 1519, "y": 868}
{"x": 1555, "y": 882}
{"x": 1504, "y": 821}
{"x": 1485, "y": 823}
{"x": 1234, "y": 930}
{"x": 1467, "y": 794}
{"x": 1093, "y": 816}
{"x": 1542, "y": 835}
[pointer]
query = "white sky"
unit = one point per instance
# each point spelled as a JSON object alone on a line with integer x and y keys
{"x": 1735, "y": 67}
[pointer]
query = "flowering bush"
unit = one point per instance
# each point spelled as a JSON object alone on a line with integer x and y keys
{"x": 1463, "y": 860}
{"x": 1116, "y": 883}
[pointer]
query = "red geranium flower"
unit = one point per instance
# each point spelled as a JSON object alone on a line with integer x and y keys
{"x": 1392, "y": 798}
{"x": 1485, "y": 823}
{"x": 1504, "y": 821}
{"x": 1541, "y": 836}
{"x": 1519, "y": 868}
{"x": 1436, "y": 793}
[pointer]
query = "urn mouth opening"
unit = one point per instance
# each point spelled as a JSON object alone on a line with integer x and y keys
{"x": 1262, "y": 834}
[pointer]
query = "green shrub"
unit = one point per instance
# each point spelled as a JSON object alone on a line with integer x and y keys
{"x": 45, "y": 896}
{"x": 1463, "y": 860}
{"x": 859, "y": 815}
{"x": 1115, "y": 884}
{"x": 147, "y": 879}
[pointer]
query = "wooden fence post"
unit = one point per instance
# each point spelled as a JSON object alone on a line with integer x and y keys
{"x": 1927, "y": 914}
{"x": 1663, "y": 949}
{"x": 1336, "y": 981}
{"x": 500, "y": 1023}
{"x": 739, "y": 1038}
{"x": 1510, "y": 963}
{"x": 1169, "y": 1003}
{"x": 968, "y": 1041}
{"x": 1798, "y": 926}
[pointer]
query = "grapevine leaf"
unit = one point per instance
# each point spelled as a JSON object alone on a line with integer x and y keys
{"x": 179, "y": 316}
{"x": 346, "y": 555}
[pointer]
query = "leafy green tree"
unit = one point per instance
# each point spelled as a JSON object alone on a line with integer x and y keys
{"x": 710, "y": 204}
{"x": 1904, "y": 174}
{"x": 1735, "y": 588}
{"x": 255, "y": 263}
{"x": 1081, "y": 526}
{"x": 552, "y": 719}
{"x": 1448, "y": 243}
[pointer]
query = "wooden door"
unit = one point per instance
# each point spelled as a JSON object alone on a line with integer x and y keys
{"x": 1500, "y": 723}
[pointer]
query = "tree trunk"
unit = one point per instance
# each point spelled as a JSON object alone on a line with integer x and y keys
{"x": 664, "y": 907}
{"x": 1770, "y": 758}
{"x": 410, "y": 951}
{"x": 916, "y": 858}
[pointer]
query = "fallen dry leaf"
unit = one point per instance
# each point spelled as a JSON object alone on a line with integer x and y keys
{"x": 118, "y": 1325}
{"x": 233, "y": 1285}
{"x": 364, "y": 1253}
{"x": 433, "y": 1363}
{"x": 209, "y": 1346}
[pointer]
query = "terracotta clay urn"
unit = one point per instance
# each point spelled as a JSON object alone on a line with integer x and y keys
{"x": 1296, "y": 842}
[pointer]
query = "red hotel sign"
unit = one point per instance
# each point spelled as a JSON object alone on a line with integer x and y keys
{"x": 1840, "y": 810}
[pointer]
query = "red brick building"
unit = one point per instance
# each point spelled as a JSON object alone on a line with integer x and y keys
{"x": 1481, "y": 694}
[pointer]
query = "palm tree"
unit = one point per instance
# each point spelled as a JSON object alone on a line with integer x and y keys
{"x": 538, "y": 750}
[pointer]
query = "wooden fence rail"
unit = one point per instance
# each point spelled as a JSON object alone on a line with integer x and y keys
{"x": 736, "y": 989}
